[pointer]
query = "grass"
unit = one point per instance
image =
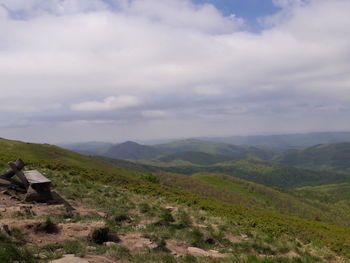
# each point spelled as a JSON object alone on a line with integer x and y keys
{"x": 200, "y": 220}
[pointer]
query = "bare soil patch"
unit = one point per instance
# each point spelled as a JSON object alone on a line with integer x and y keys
{"x": 135, "y": 242}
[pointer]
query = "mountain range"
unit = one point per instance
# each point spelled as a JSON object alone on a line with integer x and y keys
{"x": 231, "y": 207}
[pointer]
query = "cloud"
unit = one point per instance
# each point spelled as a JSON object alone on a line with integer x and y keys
{"x": 32, "y": 8}
{"x": 108, "y": 104}
{"x": 185, "y": 60}
{"x": 289, "y": 3}
{"x": 154, "y": 113}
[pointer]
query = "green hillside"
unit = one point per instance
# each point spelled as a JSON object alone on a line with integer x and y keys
{"x": 199, "y": 158}
{"x": 332, "y": 193}
{"x": 320, "y": 157}
{"x": 233, "y": 151}
{"x": 192, "y": 151}
{"x": 287, "y": 141}
{"x": 90, "y": 148}
{"x": 114, "y": 190}
{"x": 237, "y": 191}
{"x": 54, "y": 157}
{"x": 259, "y": 171}
{"x": 130, "y": 150}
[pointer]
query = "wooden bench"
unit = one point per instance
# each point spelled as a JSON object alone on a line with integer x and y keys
{"x": 36, "y": 185}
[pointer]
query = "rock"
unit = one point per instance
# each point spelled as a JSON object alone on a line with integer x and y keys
{"x": 2, "y": 209}
{"x": 172, "y": 208}
{"x": 42, "y": 256}
{"x": 197, "y": 252}
{"x": 5, "y": 192}
{"x": 70, "y": 259}
{"x": 140, "y": 227}
{"x": 4, "y": 229}
{"x": 102, "y": 214}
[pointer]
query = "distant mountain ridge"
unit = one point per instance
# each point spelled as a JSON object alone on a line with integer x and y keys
{"x": 132, "y": 151}
{"x": 237, "y": 147}
{"x": 296, "y": 141}
{"x": 320, "y": 157}
{"x": 194, "y": 151}
{"x": 254, "y": 170}
{"x": 89, "y": 148}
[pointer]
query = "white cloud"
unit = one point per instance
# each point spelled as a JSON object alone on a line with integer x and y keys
{"x": 108, "y": 104}
{"x": 32, "y": 8}
{"x": 154, "y": 113}
{"x": 184, "y": 14}
{"x": 289, "y": 3}
{"x": 175, "y": 55}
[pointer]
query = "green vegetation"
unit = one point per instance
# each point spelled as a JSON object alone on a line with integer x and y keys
{"x": 204, "y": 220}
{"x": 254, "y": 170}
{"x": 130, "y": 150}
{"x": 237, "y": 191}
{"x": 334, "y": 157}
{"x": 232, "y": 151}
{"x": 333, "y": 193}
{"x": 193, "y": 151}
{"x": 288, "y": 141}
{"x": 11, "y": 250}
{"x": 199, "y": 158}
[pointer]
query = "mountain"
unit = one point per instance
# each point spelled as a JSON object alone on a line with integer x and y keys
{"x": 233, "y": 151}
{"x": 285, "y": 141}
{"x": 89, "y": 148}
{"x": 131, "y": 150}
{"x": 199, "y": 158}
{"x": 211, "y": 215}
{"x": 254, "y": 170}
{"x": 200, "y": 152}
{"x": 321, "y": 157}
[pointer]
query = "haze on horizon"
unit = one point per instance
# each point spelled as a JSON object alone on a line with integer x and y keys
{"x": 114, "y": 70}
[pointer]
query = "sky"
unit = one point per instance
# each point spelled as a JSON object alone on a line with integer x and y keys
{"x": 116, "y": 70}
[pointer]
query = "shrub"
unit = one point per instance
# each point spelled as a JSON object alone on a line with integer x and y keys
{"x": 184, "y": 220}
{"x": 166, "y": 216}
{"x": 10, "y": 253}
{"x": 122, "y": 218}
{"x": 196, "y": 238}
{"x": 144, "y": 208}
{"x": 48, "y": 227}
{"x": 150, "y": 178}
{"x": 102, "y": 235}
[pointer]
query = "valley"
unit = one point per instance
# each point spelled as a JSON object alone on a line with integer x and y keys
{"x": 244, "y": 210}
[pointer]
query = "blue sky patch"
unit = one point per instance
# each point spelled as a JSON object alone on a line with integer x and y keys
{"x": 250, "y": 10}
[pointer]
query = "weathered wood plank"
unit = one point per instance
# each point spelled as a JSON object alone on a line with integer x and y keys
{"x": 10, "y": 173}
{"x": 19, "y": 173}
{"x": 35, "y": 177}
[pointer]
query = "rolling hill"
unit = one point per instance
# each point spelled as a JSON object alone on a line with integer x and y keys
{"x": 131, "y": 150}
{"x": 286, "y": 141}
{"x": 186, "y": 150}
{"x": 321, "y": 157}
{"x": 255, "y": 170}
{"x": 257, "y": 224}
{"x": 199, "y": 158}
{"x": 89, "y": 148}
{"x": 233, "y": 151}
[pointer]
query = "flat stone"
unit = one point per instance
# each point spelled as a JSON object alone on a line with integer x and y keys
{"x": 70, "y": 259}
{"x": 172, "y": 208}
{"x": 198, "y": 252}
